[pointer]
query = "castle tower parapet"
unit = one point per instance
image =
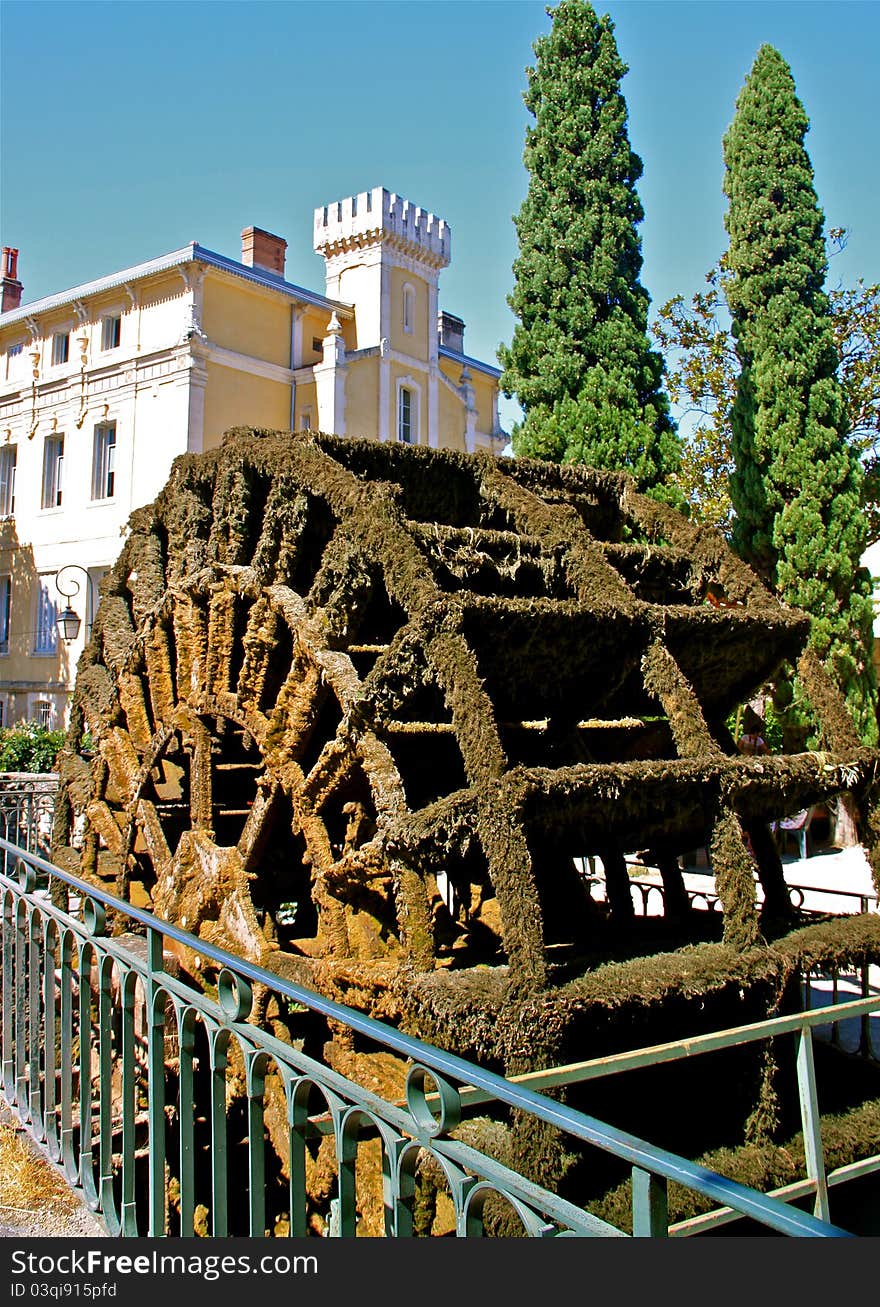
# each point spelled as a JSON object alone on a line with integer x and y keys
{"x": 381, "y": 218}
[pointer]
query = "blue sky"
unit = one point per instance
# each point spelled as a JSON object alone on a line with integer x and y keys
{"x": 130, "y": 128}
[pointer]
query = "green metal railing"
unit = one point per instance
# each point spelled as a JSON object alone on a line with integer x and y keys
{"x": 123, "y": 1070}
{"x": 27, "y": 809}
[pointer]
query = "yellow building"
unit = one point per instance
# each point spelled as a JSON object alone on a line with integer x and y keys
{"x": 103, "y": 385}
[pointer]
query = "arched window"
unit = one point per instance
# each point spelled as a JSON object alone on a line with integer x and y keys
{"x": 409, "y": 308}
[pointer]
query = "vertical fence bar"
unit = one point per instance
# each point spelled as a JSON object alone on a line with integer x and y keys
{"x": 155, "y": 996}
{"x": 650, "y": 1205}
{"x": 865, "y": 1022}
{"x": 835, "y": 998}
{"x": 50, "y": 1031}
{"x": 186, "y": 1131}
{"x": 20, "y": 1004}
{"x": 256, "y": 1083}
{"x": 105, "y": 1092}
{"x": 128, "y": 1206}
{"x": 298, "y": 1117}
{"x": 86, "y": 1040}
{"x": 810, "y": 1123}
{"x": 218, "y": 1039}
{"x": 6, "y": 1029}
{"x": 343, "y": 1220}
{"x": 68, "y": 1150}
{"x": 36, "y": 1043}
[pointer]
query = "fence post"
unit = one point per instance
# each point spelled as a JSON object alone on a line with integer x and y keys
{"x": 806, "y": 1073}
{"x": 650, "y": 1208}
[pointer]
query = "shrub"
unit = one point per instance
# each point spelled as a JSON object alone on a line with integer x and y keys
{"x": 29, "y": 747}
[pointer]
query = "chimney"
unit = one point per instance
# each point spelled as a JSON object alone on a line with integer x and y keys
{"x": 12, "y": 287}
{"x": 450, "y": 330}
{"x": 260, "y": 249}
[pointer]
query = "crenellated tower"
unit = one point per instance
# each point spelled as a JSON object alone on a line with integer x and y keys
{"x": 384, "y": 254}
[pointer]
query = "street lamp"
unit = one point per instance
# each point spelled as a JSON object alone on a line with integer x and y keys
{"x": 68, "y": 621}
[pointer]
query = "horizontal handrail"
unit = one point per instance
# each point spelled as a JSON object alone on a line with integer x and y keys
{"x": 652, "y": 1055}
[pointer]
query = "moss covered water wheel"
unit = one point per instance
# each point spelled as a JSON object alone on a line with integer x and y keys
{"x": 361, "y": 712}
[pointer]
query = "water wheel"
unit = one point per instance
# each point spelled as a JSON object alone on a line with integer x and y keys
{"x": 360, "y": 712}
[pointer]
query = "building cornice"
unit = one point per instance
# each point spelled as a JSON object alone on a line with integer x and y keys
{"x": 192, "y": 253}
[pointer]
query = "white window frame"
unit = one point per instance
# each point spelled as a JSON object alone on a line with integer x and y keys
{"x": 53, "y": 471}
{"x": 46, "y": 618}
{"x": 60, "y": 351}
{"x": 111, "y": 331}
{"x": 408, "y": 316}
{"x": 44, "y": 713}
{"x": 415, "y": 393}
{"x": 14, "y": 360}
{"x": 5, "y": 613}
{"x": 104, "y": 461}
{"x": 8, "y": 464}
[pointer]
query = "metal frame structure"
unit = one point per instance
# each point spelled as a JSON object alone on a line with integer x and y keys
{"x": 85, "y": 1086}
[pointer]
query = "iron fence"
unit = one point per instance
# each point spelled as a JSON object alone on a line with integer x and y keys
{"x": 173, "y": 1112}
{"x": 27, "y": 809}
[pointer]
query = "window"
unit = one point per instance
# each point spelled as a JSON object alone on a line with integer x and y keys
{"x": 104, "y": 461}
{"x": 405, "y": 415}
{"x": 47, "y": 613}
{"x": 111, "y": 332}
{"x": 60, "y": 347}
{"x": 44, "y": 713}
{"x": 5, "y": 611}
{"x": 8, "y": 457}
{"x": 15, "y": 361}
{"x": 53, "y": 461}
{"x": 409, "y": 303}
{"x": 317, "y": 345}
{"x": 2, "y": 712}
{"x": 305, "y": 420}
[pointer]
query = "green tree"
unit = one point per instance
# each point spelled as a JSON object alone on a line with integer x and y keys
{"x": 580, "y": 363}
{"x": 703, "y": 367}
{"x": 856, "y": 318}
{"x": 796, "y": 487}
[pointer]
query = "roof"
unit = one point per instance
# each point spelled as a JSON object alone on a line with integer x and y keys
{"x": 470, "y": 362}
{"x": 192, "y": 253}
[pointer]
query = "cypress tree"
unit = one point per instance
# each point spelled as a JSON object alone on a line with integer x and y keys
{"x": 796, "y": 488}
{"x": 580, "y": 362}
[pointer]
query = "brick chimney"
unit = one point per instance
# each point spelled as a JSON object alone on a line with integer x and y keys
{"x": 260, "y": 249}
{"x": 450, "y": 330}
{"x": 12, "y": 287}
